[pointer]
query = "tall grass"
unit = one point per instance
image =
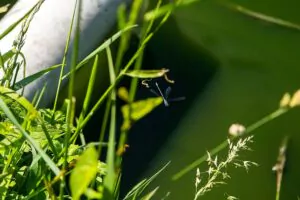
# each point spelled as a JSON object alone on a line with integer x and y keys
{"x": 40, "y": 156}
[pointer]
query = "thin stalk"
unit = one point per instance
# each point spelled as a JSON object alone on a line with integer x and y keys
{"x": 40, "y": 96}
{"x": 88, "y": 95}
{"x": 113, "y": 85}
{"x": 71, "y": 110}
{"x": 10, "y": 28}
{"x": 104, "y": 125}
{"x": 64, "y": 61}
{"x": 279, "y": 166}
{"x": 134, "y": 82}
{"x": 153, "y": 14}
{"x": 224, "y": 144}
{"x": 125, "y": 38}
{"x": 110, "y": 178}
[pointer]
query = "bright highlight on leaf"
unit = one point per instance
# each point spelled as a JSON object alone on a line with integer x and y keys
{"x": 139, "y": 109}
{"x": 20, "y": 99}
{"x": 4, "y": 9}
{"x": 288, "y": 101}
{"x": 285, "y": 100}
{"x": 84, "y": 172}
{"x": 295, "y": 101}
{"x": 147, "y": 73}
{"x": 123, "y": 94}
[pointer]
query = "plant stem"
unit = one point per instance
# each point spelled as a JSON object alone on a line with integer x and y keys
{"x": 224, "y": 144}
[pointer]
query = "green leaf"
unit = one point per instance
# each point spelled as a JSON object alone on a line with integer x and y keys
{"x": 150, "y": 194}
{"x": 12, "y": 26}
{"x": 4, "y": 9}
{"x": 110, "y": 178}
{"x": 147, "y": 73}
{"x": 31, "y": 141}
{"x": 84, "y": 172}
{"x": 139, "y": 109}
{"x": 123, "y": 94}
{"x": 21, "y": 100}
{"x": 140, "y": 187}
{"x": 73, "y": 152}
{"x": 263, "y": 17}
{"x": 22, "y": 83}
{"x": 156, "y": 13}
{"x": 107, "y": 43}
{"x": 5, "y": 57}
{"x": 92, "y": 194}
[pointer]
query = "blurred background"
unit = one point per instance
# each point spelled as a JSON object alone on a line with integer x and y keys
{"x": 232, "y": 68}
{"x": 255, "y": 63}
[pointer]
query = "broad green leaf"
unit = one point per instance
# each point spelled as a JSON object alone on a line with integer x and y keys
{"x": 138, "y": 110}
{"x": 84, "y": 172}
{"x": 92, "y": 194}
{"x": 147, "y": 73}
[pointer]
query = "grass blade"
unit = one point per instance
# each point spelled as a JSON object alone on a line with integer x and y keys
{"x": 110, "y": 178}
{"x": 137, "y": 73}
{"x": 31, "y": 141}
{"x": 22, "y": 83}
{"x": 263, "y": 17}
{"x": 71, "y": 105}
{"x": 11, "y": 27}
{"x": 101, "y": 48}
{"x": 150, "y": 194}
{"x": 140, "y": 187}
{"x": 118, "y": 79}
{"x": 224, "y": 144}
{"x": 30, "y": 109}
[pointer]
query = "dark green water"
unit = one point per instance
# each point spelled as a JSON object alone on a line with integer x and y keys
{"x": 259, "y": 62}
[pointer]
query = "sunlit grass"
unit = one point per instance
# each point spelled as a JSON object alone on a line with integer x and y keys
{"x": 40, "y": 154}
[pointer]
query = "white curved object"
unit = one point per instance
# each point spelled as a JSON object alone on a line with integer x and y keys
{"x": 47, "y": 35}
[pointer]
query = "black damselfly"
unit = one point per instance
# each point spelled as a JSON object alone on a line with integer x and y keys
{"x": 166, "y": 94}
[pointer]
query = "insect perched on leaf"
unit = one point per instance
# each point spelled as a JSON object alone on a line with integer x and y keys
{"x": 165, "y": 95}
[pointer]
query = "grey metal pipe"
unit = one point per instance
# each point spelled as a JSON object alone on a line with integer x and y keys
{"x": 47, "y": 35}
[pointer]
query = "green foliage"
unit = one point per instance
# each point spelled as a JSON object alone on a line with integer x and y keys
{"x": 137, "y": 110}
{"x": 84, "y": 172}
{"x": 37, "y": 149}
{"x": 39, "y": 156}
